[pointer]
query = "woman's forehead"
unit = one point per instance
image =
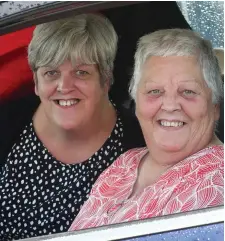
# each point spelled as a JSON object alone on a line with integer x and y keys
{"x": 185, "y": 68}
{"x": 68, "y": 64}
{"x": 55, "y": 58}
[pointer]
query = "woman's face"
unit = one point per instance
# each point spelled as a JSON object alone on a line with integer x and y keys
{"x": 71, "y": 97}
{"x": 174, "y": 105}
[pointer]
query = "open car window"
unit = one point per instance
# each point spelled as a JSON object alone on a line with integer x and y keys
{"x": 204, "y": 17}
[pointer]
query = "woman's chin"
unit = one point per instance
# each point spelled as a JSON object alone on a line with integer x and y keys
{"x": 171, "y": 142}
{"x": 171, "y": 145}
{"x": 171, "y": 148}
{"x": 66, "y": 125}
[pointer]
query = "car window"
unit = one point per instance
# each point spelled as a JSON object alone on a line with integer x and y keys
{"x": 207, "y": 18}
{"x": 12, "y": 7}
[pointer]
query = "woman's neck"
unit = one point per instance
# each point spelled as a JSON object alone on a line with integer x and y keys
{"x": 149, "y": 171}
{"x": 102, "y": 119}
{"x": 81, "y": 143}
{"x": 215, "y": 141}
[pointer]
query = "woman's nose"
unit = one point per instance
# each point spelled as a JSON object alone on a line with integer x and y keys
{"x": 65, "y": 84}
{"x": 170, "y": 103}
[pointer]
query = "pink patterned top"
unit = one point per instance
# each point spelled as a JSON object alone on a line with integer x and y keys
{"x": 194, "y": 183}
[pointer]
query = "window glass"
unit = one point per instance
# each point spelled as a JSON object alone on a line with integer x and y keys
{"x": 207, "y": 18}
{"x": 11, "y": 7}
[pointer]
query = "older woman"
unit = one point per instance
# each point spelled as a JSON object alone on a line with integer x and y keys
{"x": 177, "y": 88}
{"x": 61, "y": 143}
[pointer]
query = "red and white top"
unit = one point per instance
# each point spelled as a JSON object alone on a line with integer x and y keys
{"x": 194, "y": 183}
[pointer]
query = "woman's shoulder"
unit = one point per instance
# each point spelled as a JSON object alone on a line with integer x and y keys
{"x": 129, "y": 159}
{"x": 217, "y": 154}
{"x": 209, "y": 159}
{"x": 214, "y": 153}
{"x": 124, "y": 166}
{"x": 218, "y": 148}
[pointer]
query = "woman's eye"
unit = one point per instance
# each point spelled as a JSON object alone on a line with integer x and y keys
{"x": 154, "y": 92}
{"x": 189, "y": 92}
{"x": 51, "y": 73}
{"x": 81, "y": 73}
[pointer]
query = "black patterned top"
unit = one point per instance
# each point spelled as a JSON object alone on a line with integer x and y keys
{"x": 40, "y": 195}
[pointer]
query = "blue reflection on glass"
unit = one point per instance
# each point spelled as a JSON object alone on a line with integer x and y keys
{"x": 213, "y": 232}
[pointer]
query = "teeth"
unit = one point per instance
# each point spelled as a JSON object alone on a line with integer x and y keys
{"x": 67, "y": 102}
{"x": 172, "y": 123}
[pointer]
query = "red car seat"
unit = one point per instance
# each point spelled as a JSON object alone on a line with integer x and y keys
{"x": 15, "y": 75}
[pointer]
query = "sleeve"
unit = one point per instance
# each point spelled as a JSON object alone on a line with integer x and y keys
{"x": 91, "y": 212}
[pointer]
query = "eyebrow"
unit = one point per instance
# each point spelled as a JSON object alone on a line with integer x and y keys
{"x": 146, "y": 82}
{"x": 192, "y": 81}
{"x": 48, "y": 67}
{"x": 76, "y": 66}
{"x": 187, "y": 80}
{"x": 149, "y": 80}
{"x": 83, "y": 65}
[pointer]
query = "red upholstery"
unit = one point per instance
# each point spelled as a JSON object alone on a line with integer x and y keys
{"x": 15, "y": 74}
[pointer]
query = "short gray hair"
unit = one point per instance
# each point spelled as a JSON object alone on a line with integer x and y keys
{"x": 179, "y": 42}
{"x": 219, "y": 52}
{"x": 89, "y": 38}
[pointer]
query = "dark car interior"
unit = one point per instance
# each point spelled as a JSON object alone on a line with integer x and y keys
{"x": 130, "y": 19}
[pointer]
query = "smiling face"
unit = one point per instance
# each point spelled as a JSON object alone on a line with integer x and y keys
{"x": 174, "y": 106}
{"x": 71, "y": 96}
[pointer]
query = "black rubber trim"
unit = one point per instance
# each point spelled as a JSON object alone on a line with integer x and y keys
{"x": 52, "y": 11}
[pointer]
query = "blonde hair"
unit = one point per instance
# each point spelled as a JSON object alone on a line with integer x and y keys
{"x": 89, "y": 38}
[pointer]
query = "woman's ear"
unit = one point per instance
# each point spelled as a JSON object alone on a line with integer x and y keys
{"x": 106, "y": 86}
{"x": 35, "y": 83}
{"x": 217, "y": 112}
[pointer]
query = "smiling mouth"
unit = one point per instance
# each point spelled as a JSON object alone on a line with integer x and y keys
{"x": 171, "y": 123}
{"x": 70, "y": 102}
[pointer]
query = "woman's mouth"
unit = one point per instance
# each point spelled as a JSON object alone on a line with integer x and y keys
{"x": 174, "y": 123}
{"x": 70, "y": 102}
{"x": 171, "y": 123}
